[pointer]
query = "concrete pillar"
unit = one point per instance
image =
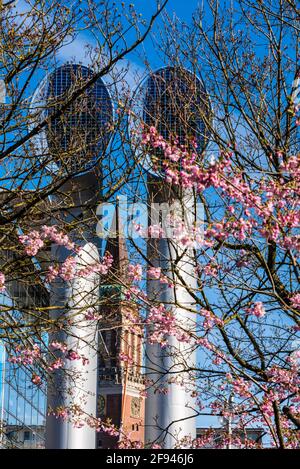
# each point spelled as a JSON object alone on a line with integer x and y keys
{"x": 171, "y": 417}
{"x": 76, "y": 383}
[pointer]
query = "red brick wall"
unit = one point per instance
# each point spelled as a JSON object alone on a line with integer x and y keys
{"x": 133, "y": 426}
{"x": 130, "y": 421}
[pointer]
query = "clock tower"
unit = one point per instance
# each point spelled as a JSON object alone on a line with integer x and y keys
{"x": 120, "y": 379}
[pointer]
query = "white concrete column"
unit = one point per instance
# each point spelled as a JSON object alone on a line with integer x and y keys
{"x": 76, "y": 383}
{"x": 171, "y": 417}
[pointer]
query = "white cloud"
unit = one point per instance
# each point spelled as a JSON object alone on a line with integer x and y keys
{"x": 125, "y": 71}
{"x": 76, "y": 50}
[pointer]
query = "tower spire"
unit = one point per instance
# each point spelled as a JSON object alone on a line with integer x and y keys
{"x": 120, "y": 381}
{"x": 116, "y": 246}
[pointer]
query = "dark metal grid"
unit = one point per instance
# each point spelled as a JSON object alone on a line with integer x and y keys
{"x": 173, "y": 101}
{"x": 81, "y": 135}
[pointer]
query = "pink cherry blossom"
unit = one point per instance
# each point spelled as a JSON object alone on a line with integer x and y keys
{"x": 135, "y": 272}
{"x": 72, "y": 355}
{"x": 155, "y": 231}
{"x": 26, "y": 356}
{"x": 125, "y": 358}
{"x": 295, "y": 300}
{"x": 58, "y": 346}
{"x": 56, "y": 365}
{"x": 135, "y": 292}
{"x": 58, "y": 237}
{"x": 60, "y": 413}
{"x": 210, "y": 320}
{"x": 32, "y": 242}
{"x": 2, "y": 282}
{"x": 257, "y": 309}
{"x": 241, "y": 387}
{"x": 163, "y": 324}
{"x": 36, "y": 379}
{"x": 53, "y": 272}
{"x": 67, "y": 270}
{"x": 92, "y": 315}
{"x": 154, "y": 273}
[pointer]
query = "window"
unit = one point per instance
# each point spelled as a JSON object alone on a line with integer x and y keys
{"x": 27, "y": 436}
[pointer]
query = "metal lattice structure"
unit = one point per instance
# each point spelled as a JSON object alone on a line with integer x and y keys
{"x": 174, "y": 101}
{"x": 79, "y": 133}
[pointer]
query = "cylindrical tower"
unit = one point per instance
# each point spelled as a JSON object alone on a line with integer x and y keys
{"x": 73, "y": 143}
{"x": 170, "y": 100}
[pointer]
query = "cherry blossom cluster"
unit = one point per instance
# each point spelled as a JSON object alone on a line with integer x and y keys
{"x": 34, "y": 241}
{"x": 240, "y": 229}
{"x": 26, "y": 356}
{"x": 91, "y": 314}
{"x": 101, "y": 268}
{"x": 56, "y": 345}
{"x": 69, "y": 354}
{"x": 125, "y": 358}
{"x": 67, "y": 270}
{"x": 33, "y": 356}
{"x": 256, "y": 309}
{"x": 295, "y": 301}
{"x": 209, "y": 270}
{"x": 2, "y": 282}
{"x": 70, "y": 269}
{"x": 57, "y": 237}
{"x": 271, "y": 206}
{"x": 75, "y": 415}
{"x": 239, "y": 386}
{"x": 162, "y": 325}
{"x": 210, "y": 320}
{"x": 154, "y": 273}
{"x": 134, "y": 293}
{"x": 135, "y": 272}
{"x": 155, "y": 231}
{"x": 186, "y": 236}
{"x": 36, "y": 380}
{"x": 287, "y": 379}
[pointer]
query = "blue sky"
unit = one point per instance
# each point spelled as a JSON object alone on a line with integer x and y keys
{"x": 182, "y": 9}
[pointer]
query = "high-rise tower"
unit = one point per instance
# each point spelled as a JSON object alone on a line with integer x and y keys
{"x": 174, "y": 101}
{"x": 121, "y": 335}
{"x": 78, "y": 110}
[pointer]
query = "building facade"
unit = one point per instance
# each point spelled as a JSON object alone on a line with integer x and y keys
{"x": 22, "y": 407}
{"x": 218, "y": 437}
{"x": 120, "y": 379}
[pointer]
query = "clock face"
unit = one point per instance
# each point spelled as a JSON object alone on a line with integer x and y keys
{"x": 135, "y": 407}
{"x": 101, "y": 405}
